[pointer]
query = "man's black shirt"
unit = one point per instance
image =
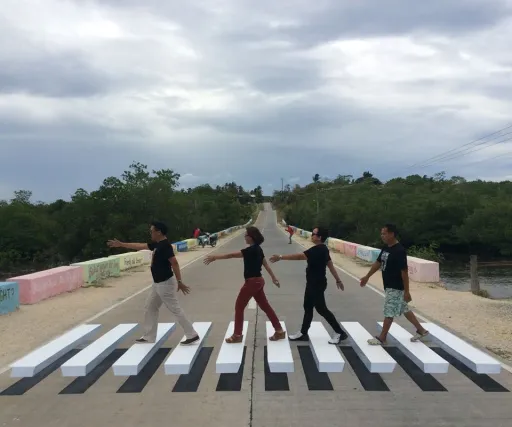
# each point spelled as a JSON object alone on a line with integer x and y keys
{"x": 318, "y": 256}
{"x": 161, "y": 269}
{"x": 393, "y": 260}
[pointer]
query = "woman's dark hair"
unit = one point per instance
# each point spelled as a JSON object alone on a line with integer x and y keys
{"x": 255, "y": 234}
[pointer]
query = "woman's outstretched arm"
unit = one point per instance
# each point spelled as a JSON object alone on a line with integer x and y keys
{"x": 210, "y": 258}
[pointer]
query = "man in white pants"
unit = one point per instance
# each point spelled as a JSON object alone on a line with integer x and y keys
{"x": 165, "y": 287}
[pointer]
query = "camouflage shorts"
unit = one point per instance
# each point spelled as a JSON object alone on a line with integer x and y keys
{"x": 394, "y": 303}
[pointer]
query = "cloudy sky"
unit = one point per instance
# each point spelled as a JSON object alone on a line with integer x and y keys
{"x": 251, "y": 90}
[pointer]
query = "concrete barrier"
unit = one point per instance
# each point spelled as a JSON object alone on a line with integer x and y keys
{"x": 367, "y": 253}
{"x": 100, "y": 268}
{"x": 44, "y": 284}
{"x": 350, "y": 249}
{"x": 9, "y": 297}
{"x": 330, "y": 242}
{"x": 191, "y": 243}
{"x": 422, "y": 270}
{"x": 146, "y": 256}
{"x": 181, "y": 246}
{"x": 129, "y": 260}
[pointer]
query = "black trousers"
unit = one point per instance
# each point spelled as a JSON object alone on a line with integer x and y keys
{"x": 314, "y": 298}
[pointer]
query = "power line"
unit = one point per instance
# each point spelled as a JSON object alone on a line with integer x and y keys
{"x": 463, "y": 145}
{"x": 460, "y": 151}
{"x": 469, "y": 150}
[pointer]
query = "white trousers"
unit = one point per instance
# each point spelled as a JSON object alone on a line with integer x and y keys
{"x": 166, "y": 293}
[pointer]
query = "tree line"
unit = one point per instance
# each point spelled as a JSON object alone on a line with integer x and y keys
{"x": 35, "y": 236}
{"x": 435, "y": 214}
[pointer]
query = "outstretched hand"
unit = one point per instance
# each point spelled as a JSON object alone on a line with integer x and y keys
{"x": 114, "y": 243}
{"x": 274, "y": 258}
{"x": 209, "y": 259}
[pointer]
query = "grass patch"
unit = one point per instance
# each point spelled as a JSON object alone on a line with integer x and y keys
{"x": 482, "y": 293}
{"x": 98, "y": 284}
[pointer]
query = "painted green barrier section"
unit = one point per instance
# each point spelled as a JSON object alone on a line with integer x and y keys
{"x": 101, "y": 268}
{"x": 129, "y": 260}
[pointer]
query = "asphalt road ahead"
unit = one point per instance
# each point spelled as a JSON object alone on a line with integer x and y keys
{"x": 254, "y": 397}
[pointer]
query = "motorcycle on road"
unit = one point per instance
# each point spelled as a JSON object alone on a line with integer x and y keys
{"x": 208, "y": 239}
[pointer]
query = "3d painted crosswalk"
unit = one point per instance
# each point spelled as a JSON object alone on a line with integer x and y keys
{"x": 318, "y": 358}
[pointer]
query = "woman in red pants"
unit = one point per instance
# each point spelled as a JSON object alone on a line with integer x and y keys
{"x": 254, "y": 258}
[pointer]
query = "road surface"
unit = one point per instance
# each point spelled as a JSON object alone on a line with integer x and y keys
{"x": 254, "y": 396}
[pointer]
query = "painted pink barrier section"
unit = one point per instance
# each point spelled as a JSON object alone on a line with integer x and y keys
{"x": 349, "y": 249}
{"x": 338, "y": 245}
{"x": 421, "y": 270}
{"x": 48, "y": 283}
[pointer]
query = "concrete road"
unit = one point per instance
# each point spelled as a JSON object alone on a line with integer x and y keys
{"x": 254, "y": 397}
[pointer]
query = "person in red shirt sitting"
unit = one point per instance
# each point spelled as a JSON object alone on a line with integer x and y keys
{"x": 197, "y": 233}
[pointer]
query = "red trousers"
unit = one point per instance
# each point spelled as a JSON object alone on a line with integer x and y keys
{"x": 253, "y": 288}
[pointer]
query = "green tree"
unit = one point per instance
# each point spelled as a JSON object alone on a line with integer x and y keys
{"x": 432, "y": 213}
{"x": 37, "y": 236}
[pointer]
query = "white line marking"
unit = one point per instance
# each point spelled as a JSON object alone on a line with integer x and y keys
{"x": 112, "y": 307}
{"x": 425, "y": 319}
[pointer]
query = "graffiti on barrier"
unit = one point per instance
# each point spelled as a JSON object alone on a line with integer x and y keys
{"x": 7, "y": 293}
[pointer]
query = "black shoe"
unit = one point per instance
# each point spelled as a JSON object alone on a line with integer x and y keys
{"x": 190, "y": 340}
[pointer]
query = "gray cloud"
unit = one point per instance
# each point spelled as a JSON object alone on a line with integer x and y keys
{"x": 63, "y": 75}
{"x": 248, "y": 91}
{"x": 375, "y": 18}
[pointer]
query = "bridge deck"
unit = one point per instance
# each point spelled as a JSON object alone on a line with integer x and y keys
{"x": 263, "y": 387}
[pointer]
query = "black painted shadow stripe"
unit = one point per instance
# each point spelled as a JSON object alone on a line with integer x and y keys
{"x": 232, "y": 382}
{"x": 484, "y": 381}
{"x": 426, "y": 382}
{"x": 316, "y": 380}
{"x": 369, "y": 380}
{"x": 274, "y": 381}
{"x": 20, "y": 387}
{"x": 190, "y": 382}
{"x": 136, "y": 383}
{"x": 82, "y": 384}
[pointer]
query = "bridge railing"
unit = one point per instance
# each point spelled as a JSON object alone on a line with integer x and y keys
{"x": 420, "y": 270}
{"x": 34, "y": 287}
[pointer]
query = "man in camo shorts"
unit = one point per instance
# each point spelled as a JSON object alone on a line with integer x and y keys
{"x": 392, "y": 261}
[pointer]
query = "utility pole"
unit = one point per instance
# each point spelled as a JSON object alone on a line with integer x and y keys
{"x": 317, "y": 202}
{"x": 282, "y": 185}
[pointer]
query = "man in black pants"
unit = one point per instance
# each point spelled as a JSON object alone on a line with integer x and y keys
{"x": 318, "y": 259}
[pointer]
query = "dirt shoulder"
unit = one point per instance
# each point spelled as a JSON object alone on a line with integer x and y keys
{"x": 34, "y": 325}
{"x": 482, "y": 320}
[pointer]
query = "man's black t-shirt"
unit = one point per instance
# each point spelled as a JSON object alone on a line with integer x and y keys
{"x": 393, "y": 260}
{"x": 161, "y": 269}
{"x": 318, "y": 256}
{"x": 253, "y": 260}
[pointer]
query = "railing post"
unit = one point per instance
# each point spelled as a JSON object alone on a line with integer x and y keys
{"x": 473, "y": 268}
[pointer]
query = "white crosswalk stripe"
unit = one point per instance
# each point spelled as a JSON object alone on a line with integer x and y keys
{"x": 317, "y": 356}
